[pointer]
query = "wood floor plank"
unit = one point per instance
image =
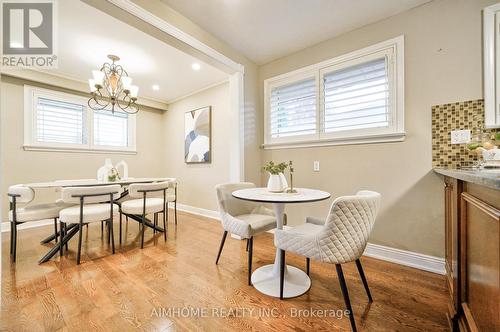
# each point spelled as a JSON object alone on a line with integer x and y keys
{"x": 176, "y": 286}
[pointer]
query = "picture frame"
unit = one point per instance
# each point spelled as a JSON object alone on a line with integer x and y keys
{"x": 198, "y": 136}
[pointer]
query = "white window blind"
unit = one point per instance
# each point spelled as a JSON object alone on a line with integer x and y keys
{"x": 356, "y": 97}
{"x": 60, "y": 122}
{"x": 110, "y": 129}
{"x": 293, "y": 109}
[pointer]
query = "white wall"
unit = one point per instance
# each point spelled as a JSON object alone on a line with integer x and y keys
{"x": 197, "y": 181}
{"x": 443, "y": 65}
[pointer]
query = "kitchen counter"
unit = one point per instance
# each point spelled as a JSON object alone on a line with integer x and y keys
{"x": 484, "y": 177}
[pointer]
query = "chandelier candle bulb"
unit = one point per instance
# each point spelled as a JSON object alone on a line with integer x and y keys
{"x": 127, "y": 83}
{"x": 134, "y": 90}
{"x": 92, "y": 85}
{"x": 98, "y": 77}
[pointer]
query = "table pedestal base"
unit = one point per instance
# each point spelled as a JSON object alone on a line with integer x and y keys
{"x": 267, "y": 281}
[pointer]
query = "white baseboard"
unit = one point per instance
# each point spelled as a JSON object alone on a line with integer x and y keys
{"x": 31, "y": 224}
{"x": 393, "y": 255}
{"x": 198, "y": 211}
{"x": 407, "y": 258}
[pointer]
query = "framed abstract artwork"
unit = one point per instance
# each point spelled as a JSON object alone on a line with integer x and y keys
{"x": 198, "y": 135}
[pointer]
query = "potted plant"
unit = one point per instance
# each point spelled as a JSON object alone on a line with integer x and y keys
{"x": 277, "y": 181}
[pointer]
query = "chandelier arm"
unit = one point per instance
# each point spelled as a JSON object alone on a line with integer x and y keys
{"x": 130, "y": 104}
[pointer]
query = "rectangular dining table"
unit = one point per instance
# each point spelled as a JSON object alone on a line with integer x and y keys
{"x": 72, "y": 229}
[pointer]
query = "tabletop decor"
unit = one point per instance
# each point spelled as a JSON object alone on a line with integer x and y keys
{"x": 291, "y": 190}
{"x": 198, "y": 135}
{"x": 111, "y": 89}
{"x": 277, "y": 181}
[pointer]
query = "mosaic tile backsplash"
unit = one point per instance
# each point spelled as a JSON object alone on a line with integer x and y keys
{"x": 456, "y": 116}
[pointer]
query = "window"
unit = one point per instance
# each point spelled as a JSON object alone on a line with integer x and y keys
{"x": 355, "y": 98}
{"x": 61, "y": 121}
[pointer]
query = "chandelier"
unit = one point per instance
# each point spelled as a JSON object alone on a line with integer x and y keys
{"x": 112, "y": 89}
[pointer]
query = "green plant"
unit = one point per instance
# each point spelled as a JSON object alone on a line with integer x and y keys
{"x": 275, "y": 169}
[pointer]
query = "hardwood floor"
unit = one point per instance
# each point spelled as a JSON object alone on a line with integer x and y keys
{"x": 176, "y": 286}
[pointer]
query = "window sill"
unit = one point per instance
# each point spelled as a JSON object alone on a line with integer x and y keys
{"x": 368, "y": 139}
{"x": 76, "y": 150}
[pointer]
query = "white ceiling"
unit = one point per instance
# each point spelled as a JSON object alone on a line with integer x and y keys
{"x": 87, "y": 36}
{"x": 264, "y": 30}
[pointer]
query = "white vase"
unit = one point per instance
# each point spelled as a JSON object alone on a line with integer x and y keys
{"x": 277, "y": 183}
{"x": 102, "y": 172}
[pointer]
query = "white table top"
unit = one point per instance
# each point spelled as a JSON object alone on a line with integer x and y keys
{"x": 91, "y": 182}
{"x": 303, "y": 195}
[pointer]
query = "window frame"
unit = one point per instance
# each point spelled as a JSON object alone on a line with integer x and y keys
{"x": 32, "y": 93}
{"x": 393, "y": 49}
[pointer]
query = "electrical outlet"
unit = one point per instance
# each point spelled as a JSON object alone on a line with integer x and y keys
{"x": 316, "y": 166}
{"x": 460, "y": 136}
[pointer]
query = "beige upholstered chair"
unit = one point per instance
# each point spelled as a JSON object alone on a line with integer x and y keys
{"x": 242, "y": 218}
{"x": 19, "y": 194}
{"x": 172, "y": 197}
{"x": 94, "y": 205}
{"x": 151, "y": 198}
{"x": 340, "y": 239}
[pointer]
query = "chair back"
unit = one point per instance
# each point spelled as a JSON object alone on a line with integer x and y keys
{"x": 231, "y": 205}
{"x": 22, "y": 193}
{"x": 95, "y": 194}
{"x": 348, "y": 225}
{"x": 137, "y": 190}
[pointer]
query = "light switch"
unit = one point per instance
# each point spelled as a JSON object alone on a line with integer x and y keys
{"x": 316, "y": 166}
{"x": 460, "y": 136}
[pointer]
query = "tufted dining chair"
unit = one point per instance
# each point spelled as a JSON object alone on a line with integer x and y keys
{"x": 149, "y": 198}
{"x": 242, "y": 218}
{"x": 340, "y": 239}
{"x": 94, "y": 204}
{"x": 20, "y": 194}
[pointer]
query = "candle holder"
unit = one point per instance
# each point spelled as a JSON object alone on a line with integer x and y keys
{"x": 291, "y": 190}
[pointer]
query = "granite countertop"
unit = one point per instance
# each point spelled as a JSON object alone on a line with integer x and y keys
{"x": 485, "y": 177}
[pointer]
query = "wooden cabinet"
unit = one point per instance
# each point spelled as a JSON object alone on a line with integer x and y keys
{"x": 452, "y": 201}
{"x": 472, "y": 255}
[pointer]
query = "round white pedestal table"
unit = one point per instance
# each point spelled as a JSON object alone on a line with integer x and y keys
{"x": 266, "y": 279}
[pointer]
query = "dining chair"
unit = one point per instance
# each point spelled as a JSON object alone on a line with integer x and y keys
{"x": 172, "y": 197}
{"x": 20, "y": 194}
{"x": 150, "y": 198}
{"x": 243, "y": 218}
{"x": 340, "y": 239}
{"x": 94, "y": 204}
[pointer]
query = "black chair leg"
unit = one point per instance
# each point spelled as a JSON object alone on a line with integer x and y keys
{"x": 80, "y": 232}
{"x": 166, "y": 210}
{"x": 55, "y": 229}
{"x": 14, "y": 241}
{"x": 282, "y": 272}
{"x": 165, "y": 224}
{"x": 11, "y": 237}
{"x": 363, "y": 278}
{"x": 120, "y": 228}
{"x": 102, "y": 229}
{"x": 175, "y": 210}
{"x": 248, "y": 242}
{"x": 345, "y": 293}
{"x": 143, "y": 230}
{"x": 221, "y": 246}
{"x": 155, "y": 219}
{"x": 250, "y": 252}
{"x": 308, "y": 265}
{"x": 112, "y": 235}
{"x": 61, "y": 248}
{"x": 66, "y": 232}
